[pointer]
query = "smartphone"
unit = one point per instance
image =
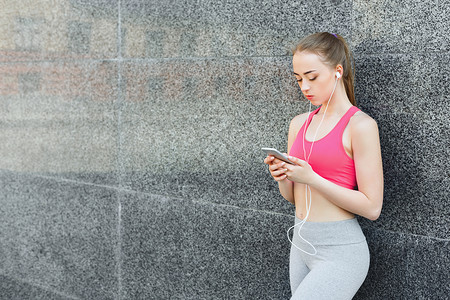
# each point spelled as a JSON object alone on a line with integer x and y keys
{"x": 277, "y": 154}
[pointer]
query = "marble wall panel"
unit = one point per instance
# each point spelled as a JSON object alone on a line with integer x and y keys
{"x": 59, "y": 235}
{"x": 189, "y": 130}
{"x": 434, "y": 143}
{"x": 407, "y": 95}
{"x": 58, "y": 29}
{"x": 415, "y": 175}
{"x": 405, "y": 266}
{"x": 175, "y": 111}
{"x": 413, "y": 83}
{"x": 190, "y": 250}
{"x": 233, "y": 28}
{"x": 428, "y": 263}
{"x": 14, "y": 289}
{"x": 60, "y": 119}
{"x": 387, "y": 277}
{"x": 400, "y": 26}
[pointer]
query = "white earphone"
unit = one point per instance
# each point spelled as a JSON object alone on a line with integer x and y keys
{"x": 307, "y": 188}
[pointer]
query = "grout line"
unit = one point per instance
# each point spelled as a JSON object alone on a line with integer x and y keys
{"x": 410, "y": 234}
{"x": 121, "y": 189}
{"x": 118, "y": 153}
{"x": 287, "y": 215}
{"x": 207, "y": 58}
{"x": 242, "y": 208}
{"x": 41, "y": 286}
{"x": 143, "y": 59}
{"x": 119, "y": 246}
{"x": 62, "y": 179}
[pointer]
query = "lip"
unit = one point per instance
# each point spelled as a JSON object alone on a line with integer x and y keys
{"x": 309, "y": 97}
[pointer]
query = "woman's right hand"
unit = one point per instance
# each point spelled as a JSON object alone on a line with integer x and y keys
{"x": 276, "y": 167}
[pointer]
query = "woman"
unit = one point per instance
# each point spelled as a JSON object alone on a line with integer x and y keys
{"x": 337, "y": 173}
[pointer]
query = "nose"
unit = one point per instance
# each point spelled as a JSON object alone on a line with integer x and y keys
{"x": 304, "y": 86}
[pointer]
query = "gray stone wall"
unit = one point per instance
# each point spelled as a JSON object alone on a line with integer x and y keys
{"x": 130, "y": 164}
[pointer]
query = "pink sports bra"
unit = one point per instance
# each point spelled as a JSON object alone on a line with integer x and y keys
{"x": 328, "y": 157}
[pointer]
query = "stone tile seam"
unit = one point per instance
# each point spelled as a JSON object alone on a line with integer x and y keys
{"x": 41, "y": 286}
{"x": 243, "y": 57}
{"x": 119, "y": 30}
{"x": 257, "y": 57}
{"x": 286, "y": 215}
{"x": 410, "y": 234}
{"x": 241, "y": 208}
{"x": 119, "y": 189}
{"x": 282, "y": 214}
{"x": 78, "y": 182}
{"x": 207, "y": 58}
{"x": 120, "y": 142}
{"x": 399, "y": 54}
{"x": 119, "y": 243}
{"x": 202, "y": 202}
{"x": 204, "y": 58}
{"x": 62, "y": 60}
{"x": 141, "y": 59}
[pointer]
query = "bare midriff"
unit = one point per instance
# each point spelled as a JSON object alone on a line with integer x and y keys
{"x": 322, "y": 210}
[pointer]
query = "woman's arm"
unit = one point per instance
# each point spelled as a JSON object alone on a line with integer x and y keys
{"x": 286, "y": 186}
{"x": 368, "y": 199}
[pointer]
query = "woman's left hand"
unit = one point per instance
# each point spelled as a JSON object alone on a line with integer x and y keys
{"x": 301, "y": 172}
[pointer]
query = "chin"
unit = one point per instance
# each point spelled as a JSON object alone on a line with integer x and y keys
{"x": 316, "y": 103}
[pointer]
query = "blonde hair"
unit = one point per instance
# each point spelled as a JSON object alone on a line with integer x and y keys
{"x": 334, "y": 50}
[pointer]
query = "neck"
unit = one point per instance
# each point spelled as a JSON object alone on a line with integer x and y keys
{"x": 338, "y": 104}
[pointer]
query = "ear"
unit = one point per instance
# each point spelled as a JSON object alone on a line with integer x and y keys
{"x": 339, "y": 69}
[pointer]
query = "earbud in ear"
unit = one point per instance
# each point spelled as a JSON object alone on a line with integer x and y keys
{"x": 338, "y": 75}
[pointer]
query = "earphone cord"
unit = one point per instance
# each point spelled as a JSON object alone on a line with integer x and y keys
{"x": 307, "y": 188}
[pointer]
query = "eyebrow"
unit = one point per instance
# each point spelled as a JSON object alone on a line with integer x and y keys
{"x": 307, "y": 72}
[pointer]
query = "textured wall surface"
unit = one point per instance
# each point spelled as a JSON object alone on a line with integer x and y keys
{"x": 130, "y": 164}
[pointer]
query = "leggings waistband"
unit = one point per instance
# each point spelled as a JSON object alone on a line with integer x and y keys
{"x": 330, "y": 233}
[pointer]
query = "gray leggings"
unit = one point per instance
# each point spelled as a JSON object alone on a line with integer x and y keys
{"x": 340, "y": 266}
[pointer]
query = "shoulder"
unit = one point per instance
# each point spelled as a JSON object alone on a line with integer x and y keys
{"x": 294, "y": 127}
{"x": 362, "y": 123}
{"x": 363, "y": 129}
{"x": 297, "y": 122}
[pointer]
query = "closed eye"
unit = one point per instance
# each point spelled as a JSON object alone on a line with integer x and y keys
{"x": 311, "y": 79}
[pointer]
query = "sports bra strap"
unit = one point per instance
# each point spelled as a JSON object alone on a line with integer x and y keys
{"x": 340, "y": 126}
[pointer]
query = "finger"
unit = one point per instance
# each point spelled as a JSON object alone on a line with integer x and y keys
{"x": 281, "y": 164}
{"x": 280, "y": 178}
{"x": 277, "y": 161}
{"x": 287, "y": 172}
{"x": 279, "y": 172}
{"x": 268, "y": 159}
{"x": 276, "y": 166}
{"x": 293, "y": 165}
{"x": 296, "y": 160}
{"x": 273, "y": 167}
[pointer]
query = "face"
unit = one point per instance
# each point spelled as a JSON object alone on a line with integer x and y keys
{"x": 316, "y": 79}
